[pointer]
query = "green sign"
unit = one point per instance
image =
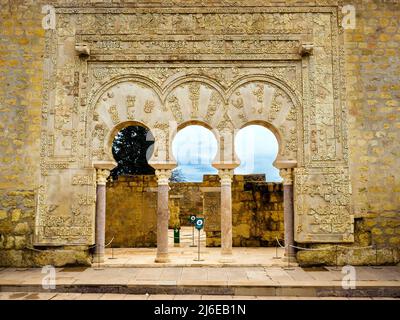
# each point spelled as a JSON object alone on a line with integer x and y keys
{"x": 192, "y": 219}
{"x": 199, "y": 223}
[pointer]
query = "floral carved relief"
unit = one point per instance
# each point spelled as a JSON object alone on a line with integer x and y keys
{"x": 225, "y": 68}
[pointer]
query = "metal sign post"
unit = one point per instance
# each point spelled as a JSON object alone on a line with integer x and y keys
{"x": 192, "y": 220}
{"x": 199, "y": 224}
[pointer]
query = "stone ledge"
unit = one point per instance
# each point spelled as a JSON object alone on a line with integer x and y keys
{"x": 273, "y": 290}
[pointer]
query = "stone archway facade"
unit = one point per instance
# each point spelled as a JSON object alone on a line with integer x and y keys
{"x": 225, "y": 67}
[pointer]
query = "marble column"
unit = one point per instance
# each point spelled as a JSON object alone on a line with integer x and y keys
{"x": 163, "y": 176}
{"x": 101, "y": 178}
{"x": 226, "y": 176}
{"x": 288, "y": 215}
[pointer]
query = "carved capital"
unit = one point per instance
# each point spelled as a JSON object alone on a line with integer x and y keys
{"x": 226, "y": 176}
{"x": 306, "y": 49}
{"x": 163, "y": 176}
{"x": 101, "y": 176}
{"x": 287, "y": 176}
{"x": 82, "y": 49}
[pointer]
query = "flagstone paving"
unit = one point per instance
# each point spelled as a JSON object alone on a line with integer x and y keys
{"x": 249, "y": 281}
{"x": 185, "y": 255}
{"x": 34, "y": 276}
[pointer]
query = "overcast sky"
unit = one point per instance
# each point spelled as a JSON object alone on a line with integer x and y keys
{"x": 195, "y": 147}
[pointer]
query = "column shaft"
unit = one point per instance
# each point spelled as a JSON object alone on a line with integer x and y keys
{"x": 100, "y": 222}
{"x": 288, "y": 219}
{"x": 101, "y": 178}
{"x": 226, "y": 214}
{"x": 226, "y": 220}
{"x": 162, "y": 224}
{"x": 288, "y": 210}
{"x": 163, "y": 176}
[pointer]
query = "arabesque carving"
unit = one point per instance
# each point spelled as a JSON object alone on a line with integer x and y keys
{"x": 225, "y": 67}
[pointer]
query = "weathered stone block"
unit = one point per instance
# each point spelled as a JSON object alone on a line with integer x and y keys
{"x": 20, "y": 242}
{"x": 241, "y": 230}
{"x": 9, "y": 242}
{"x": 376, "y": 231}
{"x": 22, "y": 228}
{"x": 3, "y": 214}
{"x": 15, "y": 215}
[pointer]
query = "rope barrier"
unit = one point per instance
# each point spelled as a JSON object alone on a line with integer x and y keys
{"x": 33, "y": 249}
{"x": 279, "y": 243}
{"x": 356, "y": 248}
{"x": 331, "y": 247}
{"x": 311, "y": 249}
{"x": 109, "y": 242}
{"x": 325, "y": 248}
{"x": 106, "y": 245}
{"x": 93, "y": 246}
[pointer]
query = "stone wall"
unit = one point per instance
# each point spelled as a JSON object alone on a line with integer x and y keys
{"x": 257, "y": 211}
{"x": 22, "y": 49}
{"x": 131, "y": 218}
{"x": 17, "y": 213}
{"x": 189, "y": 199}
{"x": 373, "y": 100}
{"x": 373, "y": 73}
{"x": 131, "y": 211}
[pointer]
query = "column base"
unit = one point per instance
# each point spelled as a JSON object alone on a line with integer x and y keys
{"x": 98, "y": 258}
{"x": 226, "y": 258}
{"x": 292, "y": 259}
{"x": 162, "y": 258}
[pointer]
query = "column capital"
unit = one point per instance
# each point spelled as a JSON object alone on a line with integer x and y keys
{"x": 287, "y": 175}
{"x": 163, "y": 176}
{"x": 226, "y": 176}
{"x": 101, "y": 176}
{"x": 109, "y": 165}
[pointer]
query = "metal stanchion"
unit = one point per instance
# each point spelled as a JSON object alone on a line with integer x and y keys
{"x": 112, "y": 248}
{"x": 276, "y": 253}
{"x": 112, "y": 253}
{"x": 193, "y": 244}
{"x": 192, "y": 220}
{"x": 198, "y": 251}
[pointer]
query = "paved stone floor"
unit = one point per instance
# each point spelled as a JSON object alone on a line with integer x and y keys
{"x": 225, "y": 276}
{"x": 185, "y": 254}
{"x": 255, "y": 274}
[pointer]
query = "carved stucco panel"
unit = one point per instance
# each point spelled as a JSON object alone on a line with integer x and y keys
{"x": 231, "y": 67}
{"x": 66, "y": 203}
{"x": 322, "y": 205}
